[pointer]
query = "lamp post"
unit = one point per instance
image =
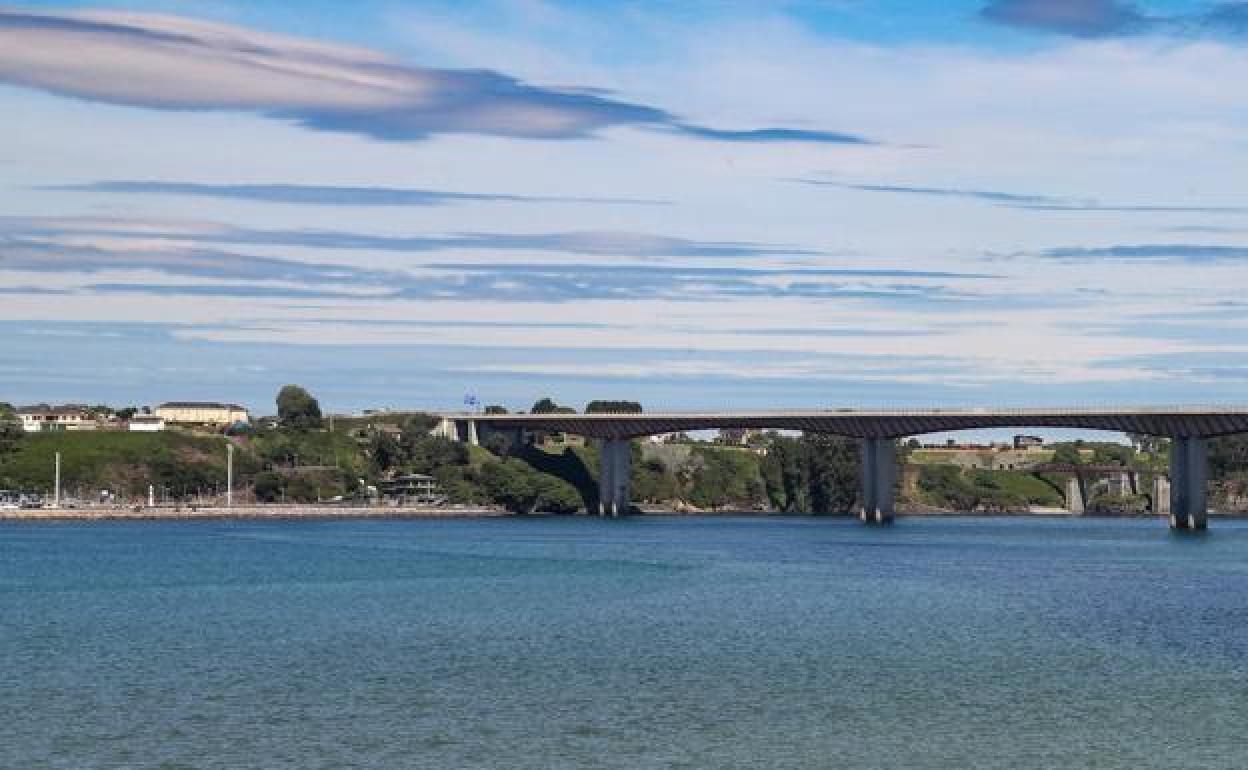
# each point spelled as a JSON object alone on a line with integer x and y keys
{"x": 229, "y": 475}
{"x": 56, "y": 486}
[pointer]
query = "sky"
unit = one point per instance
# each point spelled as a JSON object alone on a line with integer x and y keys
{"x": 697, "y": 205}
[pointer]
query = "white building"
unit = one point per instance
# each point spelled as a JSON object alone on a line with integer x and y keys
{"x": 146, "y": 423}
{"x": 201, "y": 413}
{"x": 44, "y": 417}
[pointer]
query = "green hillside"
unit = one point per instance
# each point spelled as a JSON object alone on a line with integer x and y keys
{"x": 120, "y": 462}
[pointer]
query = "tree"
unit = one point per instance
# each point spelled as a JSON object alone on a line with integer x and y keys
{"x": 613, "y": 407}
{"x": 834, "y": 472}
{"x": 519, "y": 488}
{"x": 384, "y": 451}
{"x": 1112, "y": 454}
{"x": 418, "y": 423}
{"x": 497, "y": 443}
{"x": 268, "y": 487}
{"x": 10, "y": 428}
{"x": 297, "y": 409}
{"x": 556, "y": 495}
{"x": 725, "y": 478}
{"x": 426, "y": 454}
{"x": 1067, "y": 454}
{"x": 785, "y": 470}
{"x": 545, "y": 406}
{"x": 815, "y": 473}
{"x": 548, "y": 406}
{"x": 946, "y": 485}
{"x": 1228, "y": 457}
{"x": 651, "y": 480}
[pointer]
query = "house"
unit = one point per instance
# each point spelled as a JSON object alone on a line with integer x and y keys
{"x": 146, "y": 423}
{"x": 42, "y": 417}
{"x": 201, "y": 413}
{"x": 414, "y": 488}
{"x": 735, "y": 436}
{"x": 1023, "y": 442}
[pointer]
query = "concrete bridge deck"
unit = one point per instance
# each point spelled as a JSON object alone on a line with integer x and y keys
{"x": 1201, "y": 421}
{"x": 1188, "y": 427}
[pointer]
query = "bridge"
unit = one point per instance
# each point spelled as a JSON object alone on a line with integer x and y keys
{"x": 1127, "y": 478}
{"x": 1189, "y": 428}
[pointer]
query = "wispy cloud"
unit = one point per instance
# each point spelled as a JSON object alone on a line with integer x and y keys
{"x": 332, "y": 195}
{"x": 598, "y": 243}
{"x": 990, "y": 196}
{"x": 765, "y": 135}
{"x": 1192, "y": 367}
{"x": 1113, "y": 18}
{"x": 685, "y": 270}
{"x": 177, "y": 63}
{"x": 1151, "y": 252}
{"x": 27, "y": 290}
{"x": 1207, "y": 229}
{"x": 195, "y": 253}
{"x": 1031, "y": 201}
{"x": 1135, "y": 209}
{"x": 541, "y": 283}
{"x": 38, "y": 255}
{"x": 1080, "y": 18}
{"x": 230, "y": 290}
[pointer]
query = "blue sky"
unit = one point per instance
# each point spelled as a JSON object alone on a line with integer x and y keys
{"x": 699, "y": 205}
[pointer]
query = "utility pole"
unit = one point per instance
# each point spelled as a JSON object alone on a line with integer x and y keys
{"x": 56, "y": 487}
{"x": 229, "y": 475}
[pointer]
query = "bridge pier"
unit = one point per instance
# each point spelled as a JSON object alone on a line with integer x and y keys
{"x": 445, "y": 428}
{"x": 1188, "y": 472}
{"x": 1076, "y": 501}
{"x": 1161, "y": 495}
{"x": 614, "y": 474}
{"x": 879, "y": 469}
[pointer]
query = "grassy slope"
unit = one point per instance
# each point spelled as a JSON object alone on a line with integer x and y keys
{"x": 107, "y": 460}
{"x": 316, "y": 447}
{"x": 1026, "y": 486}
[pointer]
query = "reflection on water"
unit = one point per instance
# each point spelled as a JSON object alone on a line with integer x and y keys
{"x": 698, "y": 642}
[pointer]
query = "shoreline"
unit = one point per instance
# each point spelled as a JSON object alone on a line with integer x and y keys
{"x": 250, "y": 512}
{"x": 283, "y": 512}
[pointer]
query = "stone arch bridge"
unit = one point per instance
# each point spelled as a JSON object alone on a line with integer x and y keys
{"x": 1189, "y": 429}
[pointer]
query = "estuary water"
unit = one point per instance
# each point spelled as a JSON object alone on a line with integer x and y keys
{"x": 717, "y": 642}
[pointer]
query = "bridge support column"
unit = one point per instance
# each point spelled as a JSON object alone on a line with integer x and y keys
{"x": 1075, "y": 502}
{"x": 614, "y": 492}
{"x": 445, "y": 429}
{"x": 1161, "y": 495}
{"x": 879, "y": 470}
{"x": 472, "y": 433}
{"x": 1188, "y": 471}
